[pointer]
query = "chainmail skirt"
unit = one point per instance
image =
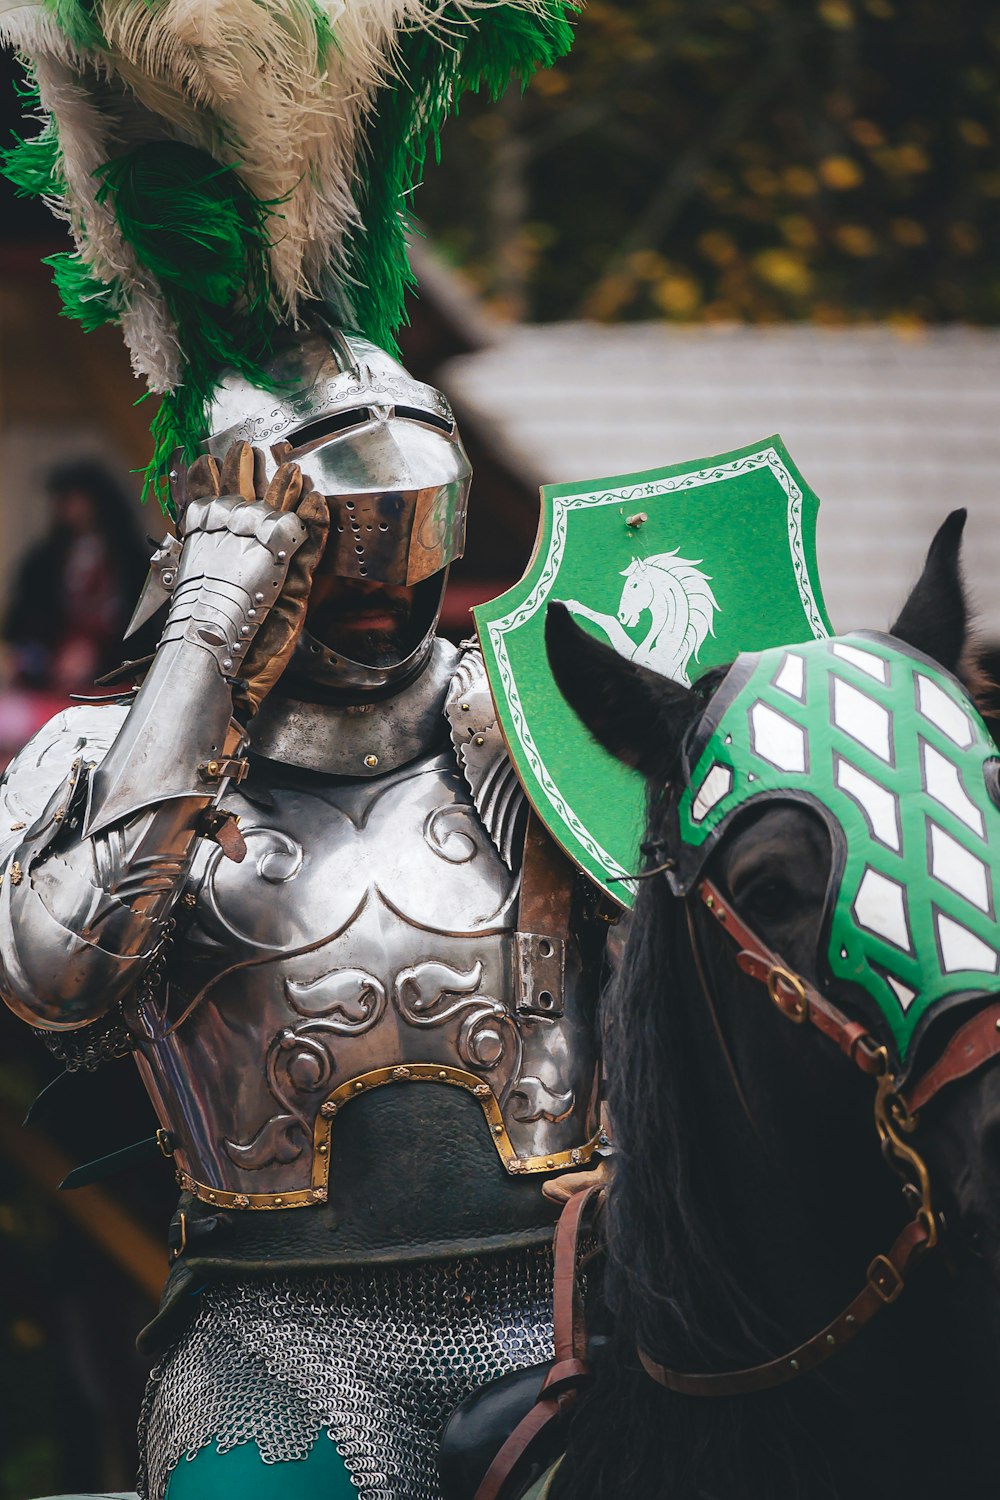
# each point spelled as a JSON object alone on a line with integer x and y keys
{"x": 377, "y": 1358}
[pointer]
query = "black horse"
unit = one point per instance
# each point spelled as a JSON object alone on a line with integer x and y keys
{"x": 750, "y": 1192}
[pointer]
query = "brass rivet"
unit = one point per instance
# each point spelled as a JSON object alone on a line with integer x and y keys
{"x": 358, "y": 1087}
{"x": 213, "y": 766}
{"x": 710, "y": 902}
{"x": 550, "y": 1162}
{"x": 465, "y": 708}
{"x": 322, "y": 1148}
{"x": 850, "y": 1319}
{"x": 371, "y": 761}
{"x": 498, "y": 1130}
{"x": 278, "y": 1202}
{"x": 480, "y": 739}
{"x": 794, "y": 1364}
{"x": 442, "y": 1073}
{"x": 830, "y": 1339}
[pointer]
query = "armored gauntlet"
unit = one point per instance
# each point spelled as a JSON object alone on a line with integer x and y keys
{"x": 89, "y": 885}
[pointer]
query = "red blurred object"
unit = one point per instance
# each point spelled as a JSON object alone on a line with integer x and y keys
{"x": 22, "y": 714}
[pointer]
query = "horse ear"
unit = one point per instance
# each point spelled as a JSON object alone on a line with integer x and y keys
{"x": 638, "y": 715}
{"x": 935, "y": 618}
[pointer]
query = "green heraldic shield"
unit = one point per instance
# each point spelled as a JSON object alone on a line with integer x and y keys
{"x": 680, "y": 569}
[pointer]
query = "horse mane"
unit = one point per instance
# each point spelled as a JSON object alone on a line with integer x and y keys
{"x": 679, "y": 1277}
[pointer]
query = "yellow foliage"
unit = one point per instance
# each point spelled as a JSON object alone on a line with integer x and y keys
{"x": 761, "y": 181}
{"x": 908, "y": 232}
{"x": 647, "y": 264}
{"x": 855, "y": 239}
{"x": 785, "y": 270}
{"x": 718, "y": 247}
{"x": 911, "y": 158}
{"x": 27, "y": 1333}
{"x": 678, "y": 294}
{"x": 799, "y": 182}
{"x": 836, "y": 13}
{"x": 973, "y": 133}
{"x": 609, "y": 297}
{"x": 799, "y": 231}
{"x": 965, "y": 238}
{"x": 866, "y": 133}
{"x": 550, "y": 82}
{"x": 840, "y": 172}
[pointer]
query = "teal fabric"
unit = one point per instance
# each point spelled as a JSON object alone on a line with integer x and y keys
{"x": 241, "y": 1471}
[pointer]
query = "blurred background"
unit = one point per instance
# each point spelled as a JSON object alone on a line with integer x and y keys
{"x": 713, "y": 222}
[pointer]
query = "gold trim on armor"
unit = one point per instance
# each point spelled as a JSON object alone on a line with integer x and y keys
{"x": 318, "y": 1192}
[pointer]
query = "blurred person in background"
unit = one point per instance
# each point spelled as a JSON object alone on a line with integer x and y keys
{"x": 73, "y": 593}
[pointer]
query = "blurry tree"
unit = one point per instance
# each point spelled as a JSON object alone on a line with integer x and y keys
{"x": 740, "y": 159}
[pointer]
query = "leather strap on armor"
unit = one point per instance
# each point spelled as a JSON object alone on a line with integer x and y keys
{"x": 561, "y": 1385}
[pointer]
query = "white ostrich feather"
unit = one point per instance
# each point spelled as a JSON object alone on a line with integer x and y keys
{"x": 249, "y": 81}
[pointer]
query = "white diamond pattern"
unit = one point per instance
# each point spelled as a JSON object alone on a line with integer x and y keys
{"x": 875, "y": 666}
{"x": 944, "y": 784}
{"x": 776, "y": 739}
{"x": 961, "y": 949}
{"x": 902, "y": 992}
{"x": 943, "y": 711}
{"x": 879, "y": 805}
{"x": 717, "y": 784}
{"x": 862, "y": 718}
{"x": 880, "y": 907}
{"x": 791, "y": 678}
{"x": 959, "y": 869}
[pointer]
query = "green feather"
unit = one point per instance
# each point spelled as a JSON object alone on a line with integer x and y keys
{"x": 408, "y": 117}
{"x": 91, "y": 302}
{"x": 199, "y": 230}
{"x": 33, "y": 165}
{"x": 202, "y": 234}
{"x": 76, "y": 21}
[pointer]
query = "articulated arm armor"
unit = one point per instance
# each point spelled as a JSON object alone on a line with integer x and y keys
{"x": 88, "y": 886}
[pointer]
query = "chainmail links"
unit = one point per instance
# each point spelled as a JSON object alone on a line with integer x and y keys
{"x": 376, "y": 1357}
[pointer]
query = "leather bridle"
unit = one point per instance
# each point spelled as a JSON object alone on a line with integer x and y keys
{"x": 897, "y": 1106}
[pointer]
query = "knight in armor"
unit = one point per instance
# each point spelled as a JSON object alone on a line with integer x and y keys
{"x": 294, "y": 874}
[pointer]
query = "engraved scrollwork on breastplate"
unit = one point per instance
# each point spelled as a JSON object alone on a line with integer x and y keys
{"x": 346, "y": 1002}
{"x": 539, "y": 1102}
{"x": 297, "y": 1064}
{"x": 277, "y": 858}
{"x": 432, "y": 993}
{"x": 349, "y": 999}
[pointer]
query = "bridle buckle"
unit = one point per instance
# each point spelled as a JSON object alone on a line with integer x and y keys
{"x": 788, "y": 993}
{"x": 884, "y": 1280}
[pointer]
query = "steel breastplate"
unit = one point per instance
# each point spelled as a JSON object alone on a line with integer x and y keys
{"x": 366, "y": 941}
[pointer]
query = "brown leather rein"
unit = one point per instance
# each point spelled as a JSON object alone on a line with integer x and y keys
{"x": 896, "y": 1110}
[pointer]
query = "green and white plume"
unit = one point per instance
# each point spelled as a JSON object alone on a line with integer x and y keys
{"x": 223, "y": 165}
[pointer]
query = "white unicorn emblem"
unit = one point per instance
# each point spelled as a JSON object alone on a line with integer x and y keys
{"x": 680, "y": 600}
